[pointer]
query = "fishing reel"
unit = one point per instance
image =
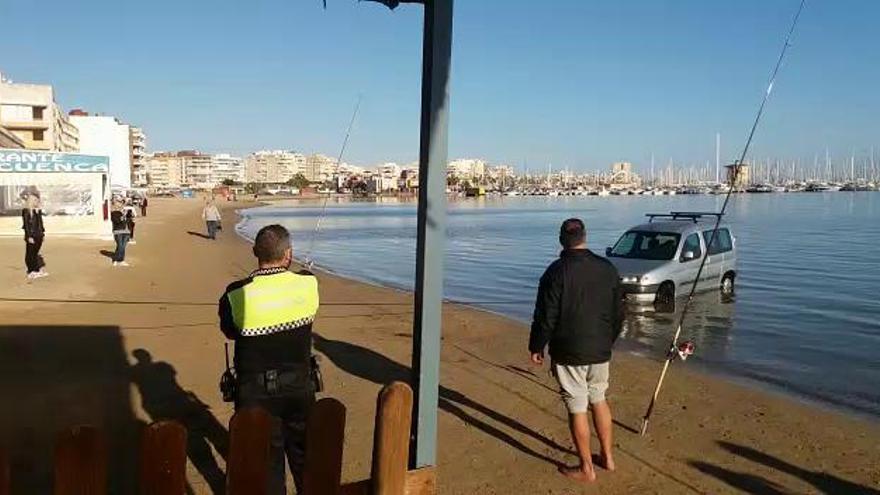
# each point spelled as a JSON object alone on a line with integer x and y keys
{"x": 682, "y": 350}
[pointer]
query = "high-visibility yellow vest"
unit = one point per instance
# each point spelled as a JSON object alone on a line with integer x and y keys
{"x": 274, "y": 300}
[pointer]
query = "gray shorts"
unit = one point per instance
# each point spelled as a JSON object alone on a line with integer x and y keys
{"x": 581, "y": 386}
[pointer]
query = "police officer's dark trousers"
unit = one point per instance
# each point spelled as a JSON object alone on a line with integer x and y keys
{"x": 288, "y": 400}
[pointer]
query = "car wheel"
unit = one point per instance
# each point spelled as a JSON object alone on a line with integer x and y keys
{"x": 727, "y": 284}
{"x": 665, "y": 298}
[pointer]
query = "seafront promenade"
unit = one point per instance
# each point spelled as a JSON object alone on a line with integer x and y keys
{"x": 121, "y": 347}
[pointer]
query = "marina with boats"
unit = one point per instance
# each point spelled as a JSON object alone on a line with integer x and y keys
{"x": 763, "y": 176}
{"x": 704, "y": 188}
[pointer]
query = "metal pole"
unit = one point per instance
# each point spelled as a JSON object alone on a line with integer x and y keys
{"x": 436, "y": 53}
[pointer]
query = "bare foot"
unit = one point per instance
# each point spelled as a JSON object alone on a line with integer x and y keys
{"x": 579, "y": 474}
{"x": 602, "y": 462}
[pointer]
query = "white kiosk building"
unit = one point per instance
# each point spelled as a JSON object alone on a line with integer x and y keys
{"x": 74, "y": 191}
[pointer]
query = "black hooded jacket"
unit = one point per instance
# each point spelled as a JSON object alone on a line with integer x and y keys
{"x": 579, "y": 310}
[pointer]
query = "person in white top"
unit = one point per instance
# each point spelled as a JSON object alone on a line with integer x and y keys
{"x": 211, "y": 216}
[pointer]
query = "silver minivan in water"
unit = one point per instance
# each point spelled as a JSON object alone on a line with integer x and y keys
{"x": 659, "y": 260}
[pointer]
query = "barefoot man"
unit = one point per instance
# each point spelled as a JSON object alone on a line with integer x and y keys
{"x": 579, "y": 313}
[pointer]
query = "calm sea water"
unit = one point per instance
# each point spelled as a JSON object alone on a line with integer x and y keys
{"x": 805, "y": 319}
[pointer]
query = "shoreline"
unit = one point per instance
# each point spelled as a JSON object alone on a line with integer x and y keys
{"x": 502, "y": 426}
{"x": 720, "y": 371}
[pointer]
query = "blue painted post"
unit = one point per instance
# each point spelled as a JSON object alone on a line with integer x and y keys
{"x": 436, "y": 53}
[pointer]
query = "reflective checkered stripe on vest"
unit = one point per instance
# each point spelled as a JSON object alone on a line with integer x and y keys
{"x": 274, "y": 303}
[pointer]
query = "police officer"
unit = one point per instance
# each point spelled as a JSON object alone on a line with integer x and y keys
{"x": 269, "y": 315}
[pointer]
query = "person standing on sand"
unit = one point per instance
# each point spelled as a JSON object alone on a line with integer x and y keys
{"x": 579, "y": 313}
{"x": 269, "y": 315}
{"x": 120, "y": 233}
{"x": 34, "y": 233}
{"x": 144, "y": 203}
{"x": 211, "y": 216}
{"x": 129, "y": 218}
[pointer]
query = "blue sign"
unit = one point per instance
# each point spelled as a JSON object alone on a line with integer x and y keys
{"x": 24, "y": 161}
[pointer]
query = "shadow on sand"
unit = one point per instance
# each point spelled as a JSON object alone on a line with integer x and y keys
{"x": 163, "y": 399}
{"x": 198, "y": 234}
{"x": 822, "y": 482}
{"x": 370, "y": 365}
{"x": 53, "y": 377}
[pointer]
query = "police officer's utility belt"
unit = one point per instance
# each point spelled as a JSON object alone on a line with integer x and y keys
{"x": 272, "y": 381}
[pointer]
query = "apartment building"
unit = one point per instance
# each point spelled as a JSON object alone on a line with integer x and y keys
{"x": 386, "y": 178}
{"x": 30, "y": 113}
{"x": 273, "y": 166}
{"x": 9, "y": 140}
{"x": 319, "y": 168}
{"x": 197, "y": 169}
{"x": 164, "y": 169}
{"x": 138, "y": 146}
{"x": 103, "y": 135}
{"x": 192, "y": 168}
{"x": 227, "y": 167}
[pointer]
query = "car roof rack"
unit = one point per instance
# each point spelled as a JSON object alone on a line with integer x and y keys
{"x": 693, "y": 216}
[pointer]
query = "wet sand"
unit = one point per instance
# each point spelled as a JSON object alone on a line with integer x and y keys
{"x": 120, "y": 347}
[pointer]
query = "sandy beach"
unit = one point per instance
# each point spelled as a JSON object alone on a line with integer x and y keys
{"x": 120, "y": 347}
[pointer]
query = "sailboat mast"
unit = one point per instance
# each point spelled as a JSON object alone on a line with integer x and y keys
{"x": 852, "y": 166}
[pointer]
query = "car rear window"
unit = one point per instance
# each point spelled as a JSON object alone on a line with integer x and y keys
{"x": 722, "y": 242}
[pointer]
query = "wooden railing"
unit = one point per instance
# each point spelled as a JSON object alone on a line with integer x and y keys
{"x": 81, "y": 454}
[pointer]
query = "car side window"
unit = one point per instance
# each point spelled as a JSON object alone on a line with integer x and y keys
{"x": 692, "y": 244}
{"x": 722, "y": 242}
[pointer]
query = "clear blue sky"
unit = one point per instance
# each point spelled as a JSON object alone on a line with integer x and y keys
{"x": 574, "y": 83}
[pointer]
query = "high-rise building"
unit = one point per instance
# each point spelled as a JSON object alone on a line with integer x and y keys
{"x": 197, "y": 169}
{"x": 138, "y": 142}
{"x": 192, "y": 168}
{"x": 276, "y": 166}
{"x": 319, "y": 168}
{"x": 30, "y": 113}
{"x": 227, "y": 167}
{"x": 164, "y": 169}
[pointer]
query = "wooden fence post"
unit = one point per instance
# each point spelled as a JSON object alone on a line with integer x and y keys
{"x": 5, "y": 478}
{"x": 325, "y": 436}
{"x": 81, "y": 462}
{"x": 163, "y": 459}
{"x": 391, "y": 439}
{"x": 247, "y": 468}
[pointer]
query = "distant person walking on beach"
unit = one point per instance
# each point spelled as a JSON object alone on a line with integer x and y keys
{"x": 211, "y": 216}
{"x": 579, "y": 313}
{"x": 129, "y": 218}
{"x": 144, "y": 203}
{"x": 269, "y": 315}
{"x": 32, "y": 224}
{"x": 120, "y": 233}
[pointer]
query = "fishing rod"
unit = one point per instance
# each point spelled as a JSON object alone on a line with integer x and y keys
{"x": 685, "y": 349}
{"x": 308, "y": 257}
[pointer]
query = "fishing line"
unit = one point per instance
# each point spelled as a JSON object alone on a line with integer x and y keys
{"x": 308, "y": 257}
{"x": 673, "y": 349}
